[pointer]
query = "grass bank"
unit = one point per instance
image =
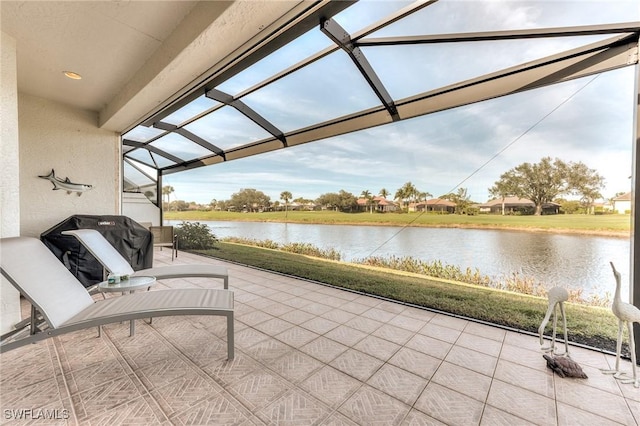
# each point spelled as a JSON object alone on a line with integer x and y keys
{"x": 613, "y": 224}
{"x": 592, "y": 326}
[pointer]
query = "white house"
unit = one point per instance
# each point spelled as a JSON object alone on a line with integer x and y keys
{"x": 622, "y": 203}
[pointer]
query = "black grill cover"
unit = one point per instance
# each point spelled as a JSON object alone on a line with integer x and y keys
{"x": 132, "y": 240}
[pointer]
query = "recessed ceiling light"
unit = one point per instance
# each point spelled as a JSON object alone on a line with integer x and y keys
{"x": 72, "y": 75}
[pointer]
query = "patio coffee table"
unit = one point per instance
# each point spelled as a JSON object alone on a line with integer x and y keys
{"x": 124, "y": 286}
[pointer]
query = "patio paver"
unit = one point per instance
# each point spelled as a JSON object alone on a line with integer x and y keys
{"x": 306, "y": 354}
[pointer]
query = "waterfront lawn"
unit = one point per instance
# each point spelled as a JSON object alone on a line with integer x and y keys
{"x": 615, "y": 223}
{"x": 592, "y": 326}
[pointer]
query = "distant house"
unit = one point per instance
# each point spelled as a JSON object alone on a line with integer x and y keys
{"x": 514, "y": 205}
{"x": 434, "y": 205}
{"x": 385, "y": 205}
{"x": 622, "y": 203}
{"x": 606, "y": 207}
{"x": 294, "y": 205}
{"x": 380, "y": 204}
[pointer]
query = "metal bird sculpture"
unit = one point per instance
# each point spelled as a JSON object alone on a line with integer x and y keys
{"x": 556, "y": 296}
{"x": 565, "y": 367}
{"x": 626, "y": 313}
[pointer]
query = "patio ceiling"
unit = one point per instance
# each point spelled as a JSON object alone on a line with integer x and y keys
{"x": 133, "y": 56}
{"x": 54, "y": 36}
{"x": 270, "y": 97}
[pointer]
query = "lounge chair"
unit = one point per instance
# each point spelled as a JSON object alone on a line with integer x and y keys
{"x": 113, "y": 261}
{"x": 60, "y": 303}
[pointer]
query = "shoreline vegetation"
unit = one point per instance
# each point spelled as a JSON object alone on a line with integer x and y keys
{"x": 610, "y": 225}
{"x": 592, "y": 326}
{"x": 516, "y": 303}
{"x": 436, "y": 270}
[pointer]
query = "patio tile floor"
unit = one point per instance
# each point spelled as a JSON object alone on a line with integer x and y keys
{"x": 305, "y": 354}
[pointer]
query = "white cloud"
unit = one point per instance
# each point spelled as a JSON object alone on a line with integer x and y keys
{"x": 587, "y": 120}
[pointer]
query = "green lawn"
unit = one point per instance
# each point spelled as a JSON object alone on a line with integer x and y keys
{"x": 614, "y": 224}
{"x": 592, "y": 326}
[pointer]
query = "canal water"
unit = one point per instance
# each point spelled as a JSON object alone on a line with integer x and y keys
{"x": 574, "y": 261}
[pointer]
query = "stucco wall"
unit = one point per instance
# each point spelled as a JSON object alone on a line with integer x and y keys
{"x": 9, "y": 173}
{"x": 139, "y": 208}
{"x": 10, "y": 196}
{"x": 55, "y": 136}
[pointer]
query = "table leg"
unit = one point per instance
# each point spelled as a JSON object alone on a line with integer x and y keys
{"x": 132, "y": 324}
{"x": 150, "y": 319}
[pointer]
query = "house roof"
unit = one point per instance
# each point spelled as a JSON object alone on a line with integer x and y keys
{"x": 377, "y": 200}
{"x": 434, "y": 202}
{"x": 508, "y": 201}
{"x": 515, "y": 201}
{"x": 440, "y": 202}
{"x": 623, "y": 197}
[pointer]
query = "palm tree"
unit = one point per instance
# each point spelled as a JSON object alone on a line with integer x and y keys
{"x": 423, "y": 196}
{"x": 167, "y": 190}
{"x": 367, "y": 196}
{"x": 500, "y": 190}
{"x": 285, "y": 196}
{"x": 461, "y": 198}
{"x": 407, "y": 193}
{"x": 384, "y": 193}
{"x": 400, "y": 196}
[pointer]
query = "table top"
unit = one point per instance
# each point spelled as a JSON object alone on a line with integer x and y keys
{"x": 133, "y": 283}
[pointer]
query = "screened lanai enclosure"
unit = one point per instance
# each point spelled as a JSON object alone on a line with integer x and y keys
{"x": 340, "y": 67}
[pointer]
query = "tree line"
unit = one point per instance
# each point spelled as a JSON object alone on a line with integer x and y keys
{"x": 541, "y": 182}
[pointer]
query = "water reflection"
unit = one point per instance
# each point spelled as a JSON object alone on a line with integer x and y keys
{"x": 565, "y": 260}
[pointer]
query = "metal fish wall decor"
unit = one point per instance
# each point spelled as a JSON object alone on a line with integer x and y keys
{"x": 66, "y": 184}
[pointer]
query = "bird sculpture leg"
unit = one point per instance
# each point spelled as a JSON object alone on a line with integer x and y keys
{"x": 550, "y": 311}
{"x": 564, "y": 329}
{"x": 556, "y": 296}
{"x": 616, "y": 370}
{"x": 632, "y": 347}
{"x": 629, "y": 314}
{"x": 553, "y": 331}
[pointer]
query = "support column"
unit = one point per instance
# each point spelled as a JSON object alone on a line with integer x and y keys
{"x": 9, "y": 173}
{"x": 634, "y": 282}
{"x": 160, "y": 197}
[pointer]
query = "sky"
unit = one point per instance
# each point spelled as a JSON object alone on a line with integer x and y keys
{"x": 587, "y": 120}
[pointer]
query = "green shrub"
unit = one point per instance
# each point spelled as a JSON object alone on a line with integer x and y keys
{"x": 195, "y": 236}
{"x": 472, "y": 211}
